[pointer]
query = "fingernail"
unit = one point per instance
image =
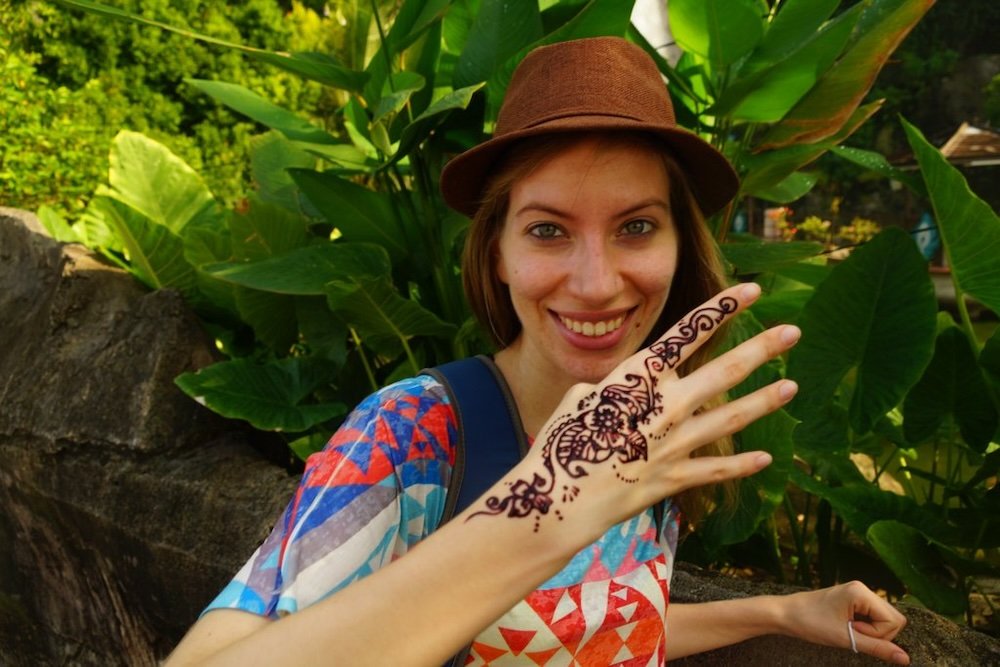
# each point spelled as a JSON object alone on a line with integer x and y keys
{"x": 763, "y": 459}
{"x": 790, "y": 334}
{"x": 750, "y": 291}
{"x": 787, "y": 389}
{"x": 900, "y": 658}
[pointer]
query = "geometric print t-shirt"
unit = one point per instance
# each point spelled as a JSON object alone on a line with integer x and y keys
{"x": 379, "y": 487}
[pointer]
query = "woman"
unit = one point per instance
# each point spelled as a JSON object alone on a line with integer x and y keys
{"x": 589, "y": 263}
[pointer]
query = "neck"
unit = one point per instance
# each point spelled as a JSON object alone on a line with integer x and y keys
{"x": 537, "y": 389}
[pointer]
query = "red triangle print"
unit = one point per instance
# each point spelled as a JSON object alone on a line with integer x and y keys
{"x": 487, "y": 652}
{"x": 541, "y": 658}
{"x": 517, "y": 639}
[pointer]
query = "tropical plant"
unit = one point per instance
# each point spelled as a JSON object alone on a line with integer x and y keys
{"x": 343, "y": 265}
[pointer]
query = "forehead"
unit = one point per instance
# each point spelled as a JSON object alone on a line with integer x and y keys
{"x": 591, "y": 170}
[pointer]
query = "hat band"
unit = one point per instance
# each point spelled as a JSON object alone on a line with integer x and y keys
{"x": 579, "y": 114}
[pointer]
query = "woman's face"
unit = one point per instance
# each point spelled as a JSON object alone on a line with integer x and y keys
{"x": 588, "y": 250}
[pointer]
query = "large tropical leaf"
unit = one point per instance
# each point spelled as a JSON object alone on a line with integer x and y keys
{"x": 873, "y": 316}
{"x": 272, "y": 317}
{"x": 835, "y": 97}
{"x": 767, "y": 94}
{"x": 306, "y": 271}
{"x": 970, "y": 229}
{"x": 796, "y": 24}
{"x": 271, "y": 156}
{"x": 792, "y": 187}
{"x": 154, "y": 252}
{"x": 755, "y": 256}
{"x": 951, "y": 385}
{"x": 362, "y": 215}
{"x": 250, "y": 104}
{"x": 432, "y": 116}
{"x": 318, "y": 67}
{"x": 876, "y": 162}
{"x": 146, "y": 176}
{"x": 919, "y": 565}
{"x": 372, "y": 306}
{"x": 762, "y": 493}
{"x": 501, "y": 28}
{"x": 265, "y": 230}
{"x": 721, "y": 31}
{"x": 271, "y": 396}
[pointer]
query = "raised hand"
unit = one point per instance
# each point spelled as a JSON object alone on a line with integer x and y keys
{"x": 640, "y": 425}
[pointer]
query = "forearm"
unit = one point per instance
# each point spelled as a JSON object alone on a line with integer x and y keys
{"x": 694, "y": 628}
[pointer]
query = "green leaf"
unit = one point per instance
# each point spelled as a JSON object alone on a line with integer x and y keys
{"x": 989, "y": 358}
{"x": 308, "y": 445}
{"x": 597, "y": 18}
{"x": 767, "y": 94}
{"x": 877, "y": 163}
{"x": 423, "y": 124}
{"x": 766, "y": 169}
{"x": 362, "y": 215}
{"x": 795, "y": 24}
{"x": 250, "y": 104}
{"x": 970, "y": 229}
{"x": 874, "y": 315}
{"x": 951, "y": 384}
{"x": 757, "y": 256}
{"x": 147, "y": 177}
{"x": 404, "y": 85}
{"x": 265, "y": 230}
{"x": 918, "y": 564}
{"x": 835, "y": 97}
{"x": 155, "y": 253}
{"x": 324, "y": 333}
{"x": 271, "y": 155}
{"x": 305, "y": 271}
{"x": 272, "y": 317}
{"x": 721, "y": 31}
{"x": 762, "y": 493}
{"x": 372, "y": 306}
{"x": 318, "y": 67}
{"x": 790, "y": 188}
{"x": 271, "y": 396}
{"x": 501, "y": 28}
{"x": 781, "y": 307}
{"x": 56, "y": 225}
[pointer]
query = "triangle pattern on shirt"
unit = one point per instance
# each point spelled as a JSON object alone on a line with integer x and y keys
{"x": 517, "y": 640}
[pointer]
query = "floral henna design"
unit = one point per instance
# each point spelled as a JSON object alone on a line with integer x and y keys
{"x": 606, "y": 425}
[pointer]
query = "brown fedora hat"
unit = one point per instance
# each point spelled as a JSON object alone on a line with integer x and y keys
{"x": 600, "y": 83}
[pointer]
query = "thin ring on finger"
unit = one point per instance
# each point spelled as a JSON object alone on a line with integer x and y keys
{"x": 850, "y": 633}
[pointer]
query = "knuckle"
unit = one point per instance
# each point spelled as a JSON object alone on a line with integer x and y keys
{"x": 733, "y": 372}
{"x": 736, "y": 420}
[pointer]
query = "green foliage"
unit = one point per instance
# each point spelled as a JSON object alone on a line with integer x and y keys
{"x": 73, "y": 80}
{"x": 341, "y": 273}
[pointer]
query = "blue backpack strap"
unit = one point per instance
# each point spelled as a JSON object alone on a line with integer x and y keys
{"x": 487, "y": 417}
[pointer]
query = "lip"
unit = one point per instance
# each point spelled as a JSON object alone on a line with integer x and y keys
{"x": 581, "y": 341}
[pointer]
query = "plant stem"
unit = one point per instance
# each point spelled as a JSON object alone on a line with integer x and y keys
{"x": 793, "y": 527}
{"x": 384, "y": 49}
{"x": 364, "y": 359}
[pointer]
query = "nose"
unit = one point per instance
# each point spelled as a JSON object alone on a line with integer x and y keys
{"x": 596, "y": 277}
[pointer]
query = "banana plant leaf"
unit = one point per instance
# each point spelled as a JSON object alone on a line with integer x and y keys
{"x": 501, "y": 28}
{"x": 720, "y": 31}
{"x": 253, "y": 106}
{"x": 875, "y": 316}
{"x": 835, "y": 97}
{"x": 877, "y": 163}
{"x": 795, "y": 24}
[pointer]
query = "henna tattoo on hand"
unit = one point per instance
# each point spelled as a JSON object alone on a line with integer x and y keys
{"x": 605, "y": 426}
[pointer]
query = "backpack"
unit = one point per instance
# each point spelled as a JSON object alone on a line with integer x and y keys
{"x": 486, "y": 414}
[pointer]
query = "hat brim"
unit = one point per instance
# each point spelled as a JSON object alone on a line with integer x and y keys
{"x": 712, "y": 179}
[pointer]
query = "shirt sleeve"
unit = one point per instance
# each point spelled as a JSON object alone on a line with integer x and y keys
{"x": 376, "y": 489}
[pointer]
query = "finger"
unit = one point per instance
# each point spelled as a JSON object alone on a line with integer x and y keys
{"x": 728, "y": 370}
{"x": 713, "y": 469}
{"x": 691, "y": 332}
{"x": 879, "y": 648}
{"x": 733, "y": 416}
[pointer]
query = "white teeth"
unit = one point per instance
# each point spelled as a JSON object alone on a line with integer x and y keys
{"x": 593, "y": 328}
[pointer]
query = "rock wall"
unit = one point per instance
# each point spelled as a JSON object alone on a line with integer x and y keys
{"x": 125, "y": 506}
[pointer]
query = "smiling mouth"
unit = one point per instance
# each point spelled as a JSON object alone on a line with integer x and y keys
{"x": 593, "y": 329}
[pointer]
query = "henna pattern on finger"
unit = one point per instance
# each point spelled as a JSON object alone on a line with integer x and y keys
{"x": 605, "y": 427}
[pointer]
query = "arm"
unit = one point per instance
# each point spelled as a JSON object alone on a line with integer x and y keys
{"x": 423, "y": 607}
{"x": 819, "y": 617}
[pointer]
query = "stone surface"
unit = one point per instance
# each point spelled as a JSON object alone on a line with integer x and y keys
{"x": 125, "y": 506}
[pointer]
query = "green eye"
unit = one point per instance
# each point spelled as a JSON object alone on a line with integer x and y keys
{"x": 637, "y": 227}
{"x": 545, "y": 230}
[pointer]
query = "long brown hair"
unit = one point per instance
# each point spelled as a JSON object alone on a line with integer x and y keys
{"x": 699, "y": 274}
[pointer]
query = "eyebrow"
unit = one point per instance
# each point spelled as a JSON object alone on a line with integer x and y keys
{"x": 546, "y": 208}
